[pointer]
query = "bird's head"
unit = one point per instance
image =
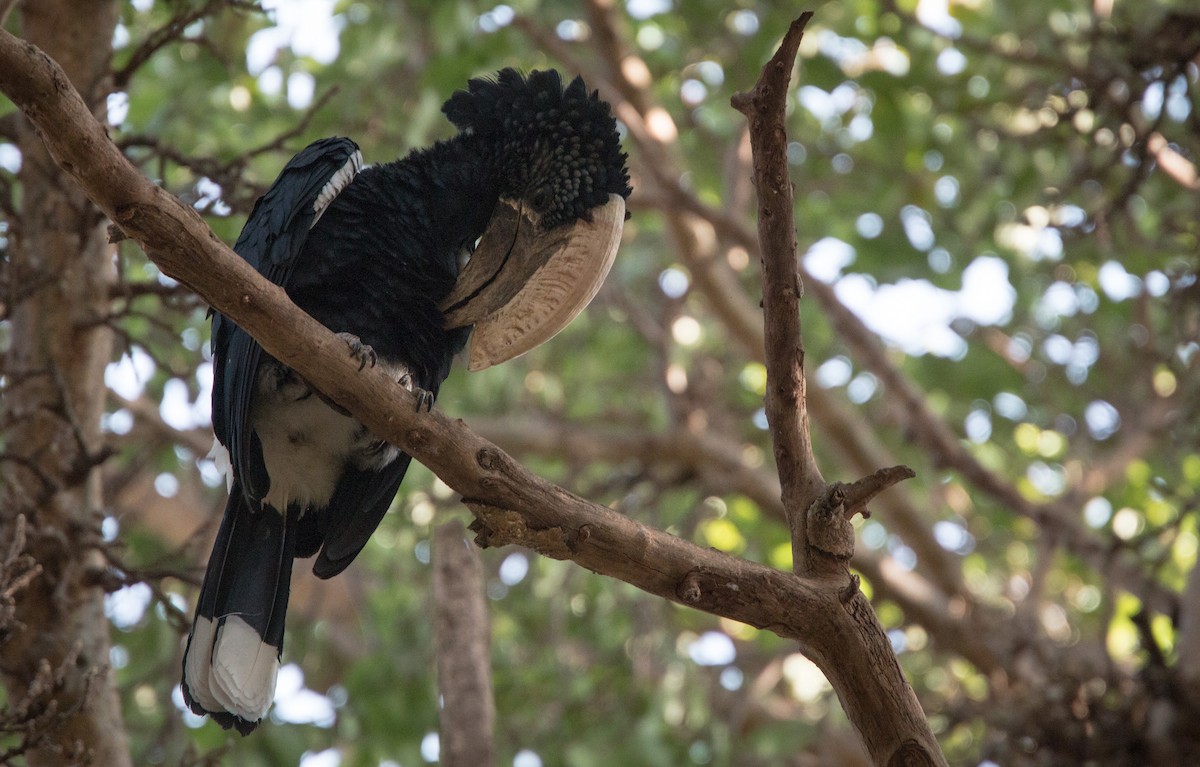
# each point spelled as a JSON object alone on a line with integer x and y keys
{"x": 555, "y": 230}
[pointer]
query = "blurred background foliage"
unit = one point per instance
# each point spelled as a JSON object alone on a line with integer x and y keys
{"x": 1002, "y": 194}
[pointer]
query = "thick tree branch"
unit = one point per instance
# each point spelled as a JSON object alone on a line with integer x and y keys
{"x": 181, "y": 245}
{"x": 833, "y": 623}
{"x": 934, "y": 598}
{"x": 179, "y": 242}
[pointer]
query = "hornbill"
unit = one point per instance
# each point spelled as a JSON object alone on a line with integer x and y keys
{"x": 530, "y": 193}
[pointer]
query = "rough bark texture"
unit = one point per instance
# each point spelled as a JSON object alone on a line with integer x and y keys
{"x": 464, "y": 664}
{"x": 54, "y": 649}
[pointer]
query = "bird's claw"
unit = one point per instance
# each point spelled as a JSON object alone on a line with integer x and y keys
{"x": 424, "y": 400}
{"x": 424, "y": 396}
{"x": 363, "y": 352}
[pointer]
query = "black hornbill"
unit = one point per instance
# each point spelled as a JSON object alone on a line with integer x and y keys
{"x": 530, "y": 192}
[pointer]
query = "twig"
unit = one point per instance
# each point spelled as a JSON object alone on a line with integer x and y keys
{"x": 31, "y": 714}
{"x": 170, "y": 32}
{"x": 16, "y": 572}
{"x": 859, "y": 494}
{"x": 230, "y": 174}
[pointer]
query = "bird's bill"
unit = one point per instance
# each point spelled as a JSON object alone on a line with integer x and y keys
{"x": 522, "y": 285}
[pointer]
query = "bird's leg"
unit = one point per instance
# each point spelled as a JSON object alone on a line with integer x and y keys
{"x": 363, "y": 352}
{"x": 281, "y": 382}
{"x": 424, "y": 397}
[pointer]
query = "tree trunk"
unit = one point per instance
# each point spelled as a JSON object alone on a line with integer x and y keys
{"x": 54, "y": 646}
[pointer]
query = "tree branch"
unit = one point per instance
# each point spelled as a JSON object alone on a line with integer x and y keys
{"x": 834, "y": 624}
{"x": 172, "y": 31}
{"x": 179, "y": 242}
{"x": 720, "y": 285}
{"x": 818, "y": 514}
{"x": 914, "y": 414}
{"x": 786, "y": 408}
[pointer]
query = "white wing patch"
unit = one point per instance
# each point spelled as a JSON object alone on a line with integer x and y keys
{"x": 334, "y": 186}
{"x": 220, "y": 456}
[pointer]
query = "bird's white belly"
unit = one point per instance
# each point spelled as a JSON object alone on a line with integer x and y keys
{"x": 306, "y": 444}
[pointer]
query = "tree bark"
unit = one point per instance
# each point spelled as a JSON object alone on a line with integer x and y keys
{"x": 786, "y": 402}
{"x": 818, "y": 514}
{"x": 54, "y": 652}
{"x": 464, "y": 664}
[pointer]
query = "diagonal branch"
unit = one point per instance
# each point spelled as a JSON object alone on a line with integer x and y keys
{"x": 180, "y": 243}
{"x": 834, "y": 624}
{"x": 171, "y": 32}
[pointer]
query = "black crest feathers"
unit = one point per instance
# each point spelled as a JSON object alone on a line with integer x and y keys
{"x": 563, "y": 140}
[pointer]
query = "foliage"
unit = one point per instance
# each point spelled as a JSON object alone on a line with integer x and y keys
{"x": 1000, "y": 193}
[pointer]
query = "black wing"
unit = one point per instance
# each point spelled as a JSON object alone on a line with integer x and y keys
{"x": 273, "y": 236}
{"x": 359, "y": 504}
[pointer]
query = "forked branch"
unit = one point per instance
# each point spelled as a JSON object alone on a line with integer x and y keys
{"x": 765, "y": 108}
{"x": 819, "y": 513}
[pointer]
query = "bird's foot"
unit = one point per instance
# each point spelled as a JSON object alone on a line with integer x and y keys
{"x": 362, "y": 352}
{"x": 282, "y": 383}
{"x": 424, "y": 396}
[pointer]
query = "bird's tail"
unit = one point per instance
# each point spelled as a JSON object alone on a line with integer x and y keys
{"x": 233, "y": 650}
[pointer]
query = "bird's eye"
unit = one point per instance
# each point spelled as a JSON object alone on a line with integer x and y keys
{"x": 541, "y": 198}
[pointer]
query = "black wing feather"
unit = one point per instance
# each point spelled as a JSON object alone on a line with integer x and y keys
{"x": 358, "y": 505}
{"x": 363, "y": 497}
{"x": 273, "y": 236}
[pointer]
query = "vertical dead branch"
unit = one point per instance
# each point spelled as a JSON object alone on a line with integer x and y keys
{"x": 787, "y": 413}
{"x": 854, "y": 653}
{"x": 461, "y": 625}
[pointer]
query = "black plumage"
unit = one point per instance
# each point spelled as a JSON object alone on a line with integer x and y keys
{"x": 371, "y": 254}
